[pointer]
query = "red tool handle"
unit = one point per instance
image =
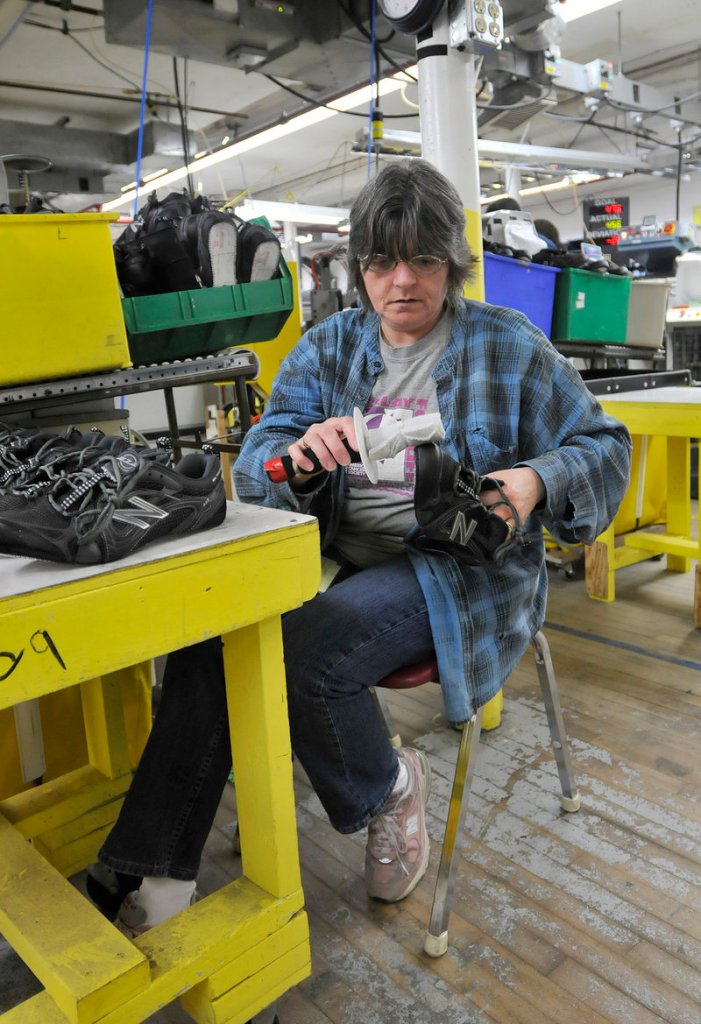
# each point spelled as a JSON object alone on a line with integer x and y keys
{"x": 284, "y": 467}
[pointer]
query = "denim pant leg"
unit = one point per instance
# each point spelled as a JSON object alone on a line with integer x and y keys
{"x": 336, "y": 646}
{"x": 169, "y": 809}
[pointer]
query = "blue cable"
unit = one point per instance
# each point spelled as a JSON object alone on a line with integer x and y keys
{"x": 140, "y": 143}
{"x": 372, "y": 86}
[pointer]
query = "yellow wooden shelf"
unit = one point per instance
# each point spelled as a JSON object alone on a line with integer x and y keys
{"x": 243, "y": 945}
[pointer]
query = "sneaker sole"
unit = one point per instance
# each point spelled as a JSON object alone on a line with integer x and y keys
{"x": 265, "y": 261}
{"x": 222, "y": 254}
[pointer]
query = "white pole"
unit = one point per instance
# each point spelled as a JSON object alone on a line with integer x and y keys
{"x": 447, "y": 80}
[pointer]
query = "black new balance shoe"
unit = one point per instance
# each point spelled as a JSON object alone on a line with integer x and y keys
{"x": 452, "y": 516}
{"x": 115, "y": 505}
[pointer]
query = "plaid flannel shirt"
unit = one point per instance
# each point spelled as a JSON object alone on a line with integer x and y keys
{"x": 507, "y": 398}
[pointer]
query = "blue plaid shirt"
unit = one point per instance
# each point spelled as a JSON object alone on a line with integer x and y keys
{"x": 506, "y": 398}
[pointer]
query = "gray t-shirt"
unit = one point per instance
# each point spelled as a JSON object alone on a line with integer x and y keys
{"x": 377, "y": 516}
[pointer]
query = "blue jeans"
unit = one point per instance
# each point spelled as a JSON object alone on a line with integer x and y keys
{"x": 336, "y": 646}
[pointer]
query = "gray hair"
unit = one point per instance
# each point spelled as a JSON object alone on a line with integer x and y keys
{"x": 410, "y": 209}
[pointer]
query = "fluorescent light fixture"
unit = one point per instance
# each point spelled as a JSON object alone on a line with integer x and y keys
{"x": 571, "y": 10}
{"x": 154, "y": 174}
{"x": 293, "y": 213}
{"x": 578, "y": 178}
{"x": 357, "y": 98}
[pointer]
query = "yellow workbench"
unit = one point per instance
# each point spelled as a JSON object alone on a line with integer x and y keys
{"x": 673, "y": 413}
{"x": 238, "y": 949}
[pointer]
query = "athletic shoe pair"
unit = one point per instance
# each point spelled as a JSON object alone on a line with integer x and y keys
{"x": 227, "y": 250}
{"x": 100, "y": 504}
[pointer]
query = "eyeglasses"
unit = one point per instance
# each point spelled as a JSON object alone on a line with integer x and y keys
{"x": 380, "y": 264}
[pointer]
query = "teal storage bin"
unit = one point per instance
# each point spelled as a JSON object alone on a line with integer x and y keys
{"x": 591, "y": 307}
{"x": 179, "y": 325}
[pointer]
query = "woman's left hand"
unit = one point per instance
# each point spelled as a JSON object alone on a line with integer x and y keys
{"x": 522, "y": 486}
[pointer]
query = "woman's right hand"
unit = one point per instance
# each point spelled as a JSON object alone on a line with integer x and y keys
{"x": 326, "y": 441}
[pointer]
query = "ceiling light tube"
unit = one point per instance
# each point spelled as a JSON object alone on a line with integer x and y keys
{"x": 571, "y": 10}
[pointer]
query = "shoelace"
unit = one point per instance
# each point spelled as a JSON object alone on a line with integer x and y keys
{"x": 92, "y": 490}
{"x": 16, "y": 461}
{"x": 389, "y": 841}
{"x": 463, "y": 487}
{"x": 43, "y": 470}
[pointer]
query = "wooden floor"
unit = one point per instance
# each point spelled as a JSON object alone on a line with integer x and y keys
{"x": 592, "y": 918}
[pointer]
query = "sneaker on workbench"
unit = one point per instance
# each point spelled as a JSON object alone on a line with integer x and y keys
{"x": 114, "y": 505}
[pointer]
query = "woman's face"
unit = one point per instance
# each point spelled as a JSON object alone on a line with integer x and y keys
{"x": 407, "y": 304}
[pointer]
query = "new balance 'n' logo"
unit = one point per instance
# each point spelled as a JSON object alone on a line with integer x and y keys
{"x": 462, "y": 530}
{"x": 142, "y": 514}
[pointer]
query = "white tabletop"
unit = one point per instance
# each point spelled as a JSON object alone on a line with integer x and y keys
{"x": 666, "y": 396}
{"x": 23, "y": 575}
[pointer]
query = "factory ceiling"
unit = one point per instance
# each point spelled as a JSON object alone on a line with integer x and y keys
{"x": 225, "y": 70}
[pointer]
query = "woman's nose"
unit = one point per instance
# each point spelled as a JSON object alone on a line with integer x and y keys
{"x": 403, "y": 273}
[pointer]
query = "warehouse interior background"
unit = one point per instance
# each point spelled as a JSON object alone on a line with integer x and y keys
{"x": 586, "y": 100}
{"x": 71, "y": 81}
{"x": 264, "y": 105}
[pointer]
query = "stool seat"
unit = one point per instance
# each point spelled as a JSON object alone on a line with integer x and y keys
{"x": 436, "y": 942}
{"x": 411, "y": 675}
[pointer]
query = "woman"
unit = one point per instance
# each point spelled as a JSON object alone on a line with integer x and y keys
{"x": 510, "y": 405}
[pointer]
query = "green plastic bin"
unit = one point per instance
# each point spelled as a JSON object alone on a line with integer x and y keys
{"x": 591, "y": 307}
{"x": 179, "y": 325}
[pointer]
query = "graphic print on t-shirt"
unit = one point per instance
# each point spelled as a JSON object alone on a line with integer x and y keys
{"x": 395, "y": 474}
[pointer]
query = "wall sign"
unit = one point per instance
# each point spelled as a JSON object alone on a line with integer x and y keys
{"x": 605, "y": 217}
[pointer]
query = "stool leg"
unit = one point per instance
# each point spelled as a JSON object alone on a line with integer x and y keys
{"x": 394, "y": 737}
{"x": 570, "y": 798}
{"x": 436, "y": 942}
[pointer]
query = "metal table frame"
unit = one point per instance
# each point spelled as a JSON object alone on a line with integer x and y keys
{"x": 234, "y": 367}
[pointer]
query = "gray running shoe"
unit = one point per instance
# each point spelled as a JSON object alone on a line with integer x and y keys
{"x": 398, "y": 848}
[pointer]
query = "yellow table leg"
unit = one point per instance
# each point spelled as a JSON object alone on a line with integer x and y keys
{"x": 600, "y": 567}
{"x": 262, "y": 756}
{"x": 678, "y": 496}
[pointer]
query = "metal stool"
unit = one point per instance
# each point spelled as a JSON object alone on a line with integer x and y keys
{"x": 436, "y": 942}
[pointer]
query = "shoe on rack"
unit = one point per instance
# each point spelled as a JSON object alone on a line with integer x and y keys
{"x": 115, "y": 504}
{"x": 258, "y": 252}
{"x": 108, "y": 889}
{"x": 398, "y": 848}
{"x": 211, "y": 240}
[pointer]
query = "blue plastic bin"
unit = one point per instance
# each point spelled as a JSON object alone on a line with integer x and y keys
{"x": 528, "y": 287}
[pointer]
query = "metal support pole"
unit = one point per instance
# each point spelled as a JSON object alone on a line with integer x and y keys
{"x": 447, "y": 80}
{"x": 173, "y": 428}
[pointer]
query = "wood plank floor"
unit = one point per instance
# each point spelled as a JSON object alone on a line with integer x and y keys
{"x": 592, "y": 918}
